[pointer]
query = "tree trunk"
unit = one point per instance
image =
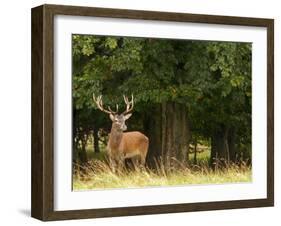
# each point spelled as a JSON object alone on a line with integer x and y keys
{"x": 168, "y": 130}
{"x": 152, "y": 127}
{"x": 195, "y": 152}
{"x": 96, "y": 140}
{"x": 223, "y": 145}
{"x": 232, "y": 139}
{"x": 83, "y": 153}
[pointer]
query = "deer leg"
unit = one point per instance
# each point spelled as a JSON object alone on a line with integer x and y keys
{"x": 110, "y": 159}
{"x": 113, "y": 164}
{"x": 143, "y": 153}
{"x": 119, "y": 163}
{"x": 143, "y": 159}
{"x": 135, "y": 162}
{"x": 143, "y": 156}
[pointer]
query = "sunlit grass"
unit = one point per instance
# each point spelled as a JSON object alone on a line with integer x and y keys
{"x": 144, "y": 179}
{"x": 98, "y": 175}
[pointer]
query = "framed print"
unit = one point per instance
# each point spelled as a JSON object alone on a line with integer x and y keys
{"x": 141, "y": 112}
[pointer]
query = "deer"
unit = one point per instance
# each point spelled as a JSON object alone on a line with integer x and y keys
{"x": 123, "y": 145}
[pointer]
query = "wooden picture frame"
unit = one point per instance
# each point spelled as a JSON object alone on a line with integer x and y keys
{"x": 42, "y": 203}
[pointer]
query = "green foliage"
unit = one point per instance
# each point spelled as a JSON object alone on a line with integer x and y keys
{"x": 213, "y": 79}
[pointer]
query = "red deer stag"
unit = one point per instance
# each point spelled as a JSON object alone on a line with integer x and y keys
{"x": 122, "y": 145}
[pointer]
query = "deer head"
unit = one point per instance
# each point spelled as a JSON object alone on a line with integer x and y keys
{"x": 117, "y": 119}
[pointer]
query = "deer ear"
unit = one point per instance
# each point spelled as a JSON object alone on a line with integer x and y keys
{"x": 127, "y": 116}
{"x": 111, "y": 116}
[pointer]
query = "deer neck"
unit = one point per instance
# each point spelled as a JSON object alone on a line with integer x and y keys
{"x": 115, "y": 137}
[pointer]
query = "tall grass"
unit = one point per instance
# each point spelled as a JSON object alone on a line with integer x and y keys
{"x": 97, "y": 174}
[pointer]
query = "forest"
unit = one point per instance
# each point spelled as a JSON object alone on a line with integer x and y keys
{"x": 192, "y": 100}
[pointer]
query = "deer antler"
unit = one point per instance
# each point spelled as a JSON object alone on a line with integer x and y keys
{"x": 129, "y": 104}
{"x": 99, "y": 104}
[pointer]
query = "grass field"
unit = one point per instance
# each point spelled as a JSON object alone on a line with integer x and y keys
{"x": 98, "y": 175}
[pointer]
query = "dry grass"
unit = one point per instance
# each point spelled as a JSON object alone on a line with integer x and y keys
{"x": 99, "y": 175}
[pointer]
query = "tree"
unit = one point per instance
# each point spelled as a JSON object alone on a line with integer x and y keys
{"x": 223, "y": 107}
{"x": 179, "y": 86}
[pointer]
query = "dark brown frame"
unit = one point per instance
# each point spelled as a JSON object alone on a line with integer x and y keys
{"x": 42, "y": 112}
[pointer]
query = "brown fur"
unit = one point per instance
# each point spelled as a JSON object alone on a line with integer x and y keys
{"x": 127, "y": 145}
